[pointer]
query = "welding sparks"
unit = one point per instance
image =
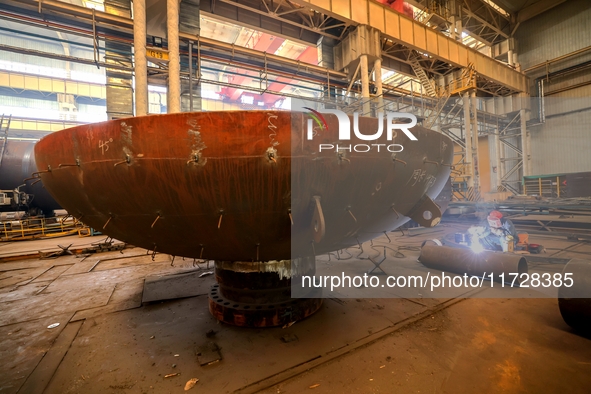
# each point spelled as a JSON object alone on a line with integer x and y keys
{"x": 476, "y": 245}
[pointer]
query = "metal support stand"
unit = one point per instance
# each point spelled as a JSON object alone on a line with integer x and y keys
{"x": 377, "y": 265}
{"x": 258, "y": 294}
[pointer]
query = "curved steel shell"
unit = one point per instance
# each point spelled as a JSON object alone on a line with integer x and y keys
{"x": 17, "y": 164}
{"x": 574, "y": 301}
{"x": 240, "y": 185}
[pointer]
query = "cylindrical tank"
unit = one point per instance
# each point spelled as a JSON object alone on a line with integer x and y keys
{"x": 17, "y": 164}
{"x": 502, "y": 266}
{"x": 574, "y": 295}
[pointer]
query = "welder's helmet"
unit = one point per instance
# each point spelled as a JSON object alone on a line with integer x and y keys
{"x": 494, "y": 219}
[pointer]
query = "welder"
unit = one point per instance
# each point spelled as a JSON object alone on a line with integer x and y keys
{"x": 496, "y": 233}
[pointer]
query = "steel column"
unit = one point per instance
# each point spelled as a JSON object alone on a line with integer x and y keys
{"x": 468, "y": 137}
{"x": 365, "y": 84}
{"x": 119, "y": 72}
{"x": 476, "y": 156}
{"x": 452, "y": 29}
{"x": 139, "y": 57}
{"x": 515, "y": 64}
{"x": 174, "y": 66}
{"x": 191, "y": 76}
{"x": 459, "y": 29}
{"x": 525, "y": 149}
{"x": 378, "y": 82}
{"x": 499, "y": 174}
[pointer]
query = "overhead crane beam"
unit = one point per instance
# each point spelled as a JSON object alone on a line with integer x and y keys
{"x": 123, "y": 25}
{"x": 478, "y": 18}
{"x": 81, "y": 19}
{"x": 407, "y": 32}
{"x": 38, "y": 83}
{"x": 218, "y": 52}
{"x": 415, "y": 35}
{"x": 280, "y": 18}
{"x": 336, "y": 79}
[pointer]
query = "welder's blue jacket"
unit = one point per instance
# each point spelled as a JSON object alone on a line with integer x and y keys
{"x": 491, "y": 237}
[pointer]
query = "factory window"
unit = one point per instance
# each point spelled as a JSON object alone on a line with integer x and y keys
{"x": 244, "y": 99}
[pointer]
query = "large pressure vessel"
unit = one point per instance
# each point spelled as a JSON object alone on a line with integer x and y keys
{"x": 243, "y": 185}
{"x": 17, "y": 164}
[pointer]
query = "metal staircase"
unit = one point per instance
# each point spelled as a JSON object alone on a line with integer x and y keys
{"x": 434, "y": 114}
{"x": 466, "y": 81}
{"x": 448, "y": 113}
{"x": 421, "y": 74}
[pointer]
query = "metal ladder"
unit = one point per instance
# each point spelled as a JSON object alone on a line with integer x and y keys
{"x": 4, "y": 126}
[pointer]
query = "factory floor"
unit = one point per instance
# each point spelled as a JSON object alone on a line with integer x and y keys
{"x": 109, "y": 341}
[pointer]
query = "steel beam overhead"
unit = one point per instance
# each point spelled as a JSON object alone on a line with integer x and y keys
{"x": 315, "y": 17}
{"x": 415, "y": 35}
{"x": 281, "y": 18}
{"x": 41, "y": 83}
{"x": 478, "y": 18}
{"x": 484, "y": 22}
{"x": 81, "y": 18}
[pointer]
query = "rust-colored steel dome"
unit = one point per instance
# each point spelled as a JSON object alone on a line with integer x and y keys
{"x": 240, "y": 185}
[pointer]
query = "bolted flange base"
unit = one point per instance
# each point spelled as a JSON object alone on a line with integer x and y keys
{"x": 263, "y": 315}
{"x": 258, "y": 294}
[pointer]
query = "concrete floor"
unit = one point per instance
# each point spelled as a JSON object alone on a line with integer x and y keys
{"x": 109, "y": 342}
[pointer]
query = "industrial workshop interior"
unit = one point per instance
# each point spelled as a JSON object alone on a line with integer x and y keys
{"x": 293, "y": 196}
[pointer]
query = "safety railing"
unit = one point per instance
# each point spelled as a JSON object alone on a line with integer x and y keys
{"x": 545, "y": 185}
{"x": 38, "y": 227}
